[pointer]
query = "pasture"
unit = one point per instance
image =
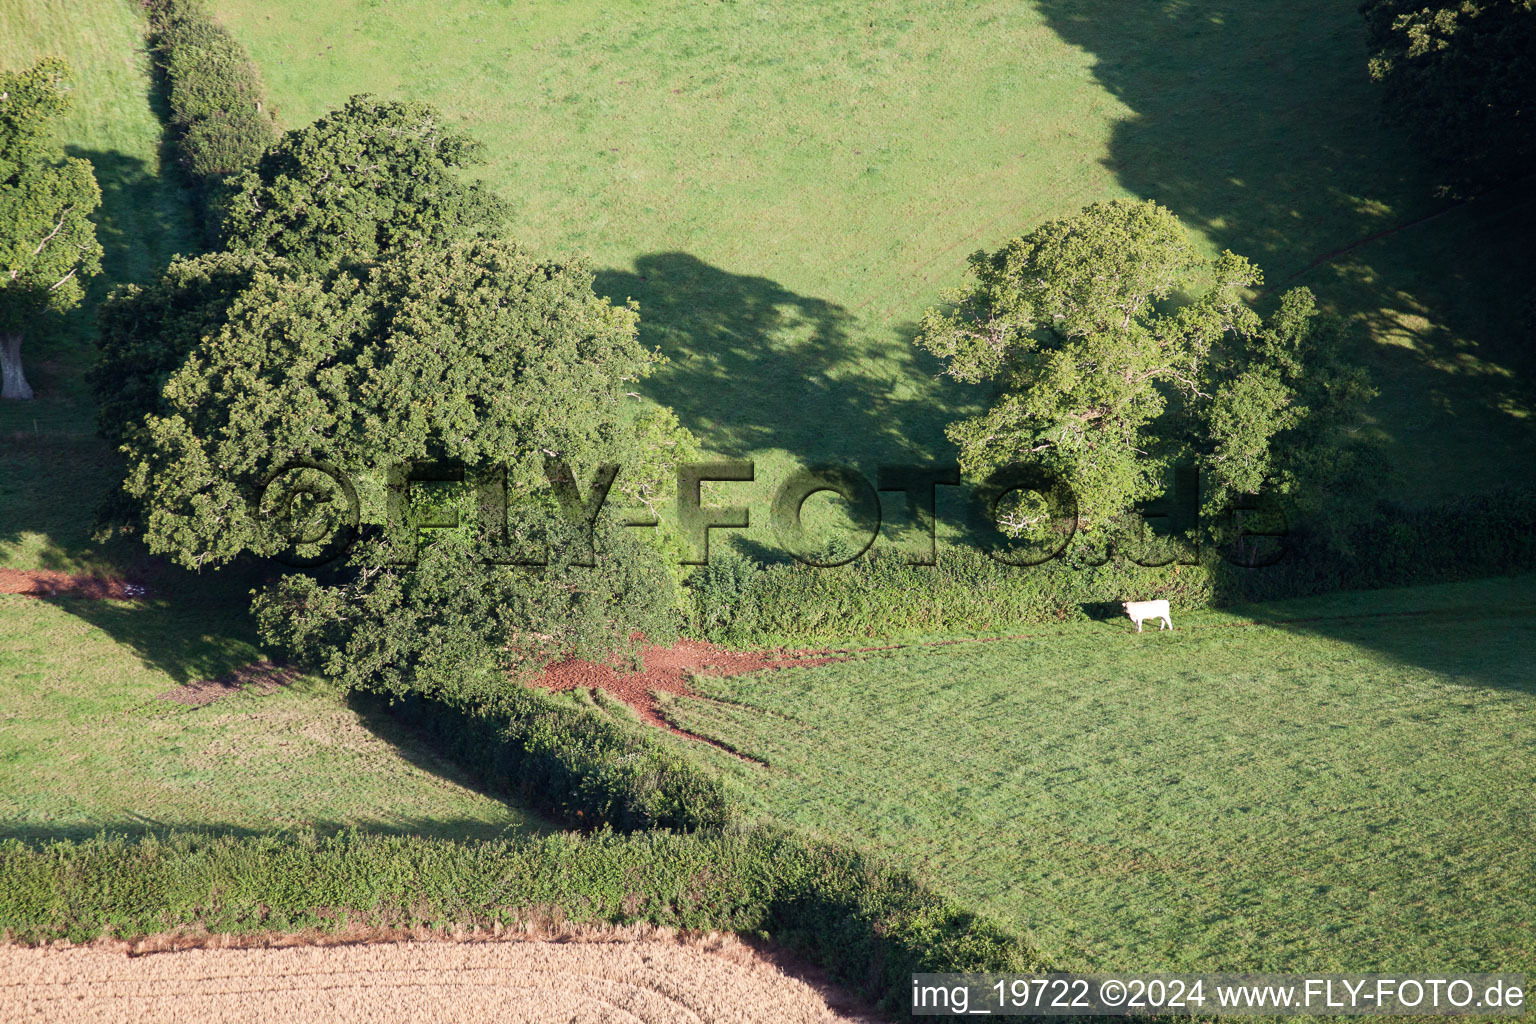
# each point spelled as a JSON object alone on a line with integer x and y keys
{"x": 91, "y": 737}
{"x": 785, "y": 188}
{"x": 84, "y": 742}
{"x": 1341, "y": 782}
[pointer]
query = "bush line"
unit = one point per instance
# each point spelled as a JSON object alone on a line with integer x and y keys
{"x": 740, "y": 602}
{"x": 218, "y": 109}
{"x": 566, "y": 762}
{"x": 869, "y": 926}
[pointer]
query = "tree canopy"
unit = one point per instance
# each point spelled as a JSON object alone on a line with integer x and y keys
{"x": 475, "y": 352}
{"x": 1461, "y": 75}
{"x": 47, "y": 241}
{"x": 369, "y": 179}
{"x": 1115, "y": 350}
{"x": 364, "y": 319}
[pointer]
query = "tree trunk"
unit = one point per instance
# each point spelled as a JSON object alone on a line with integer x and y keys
{"x": 14, "y": 383}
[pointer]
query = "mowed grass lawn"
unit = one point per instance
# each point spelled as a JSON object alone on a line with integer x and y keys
{"x": 785, "y": 187}
{"x": 87, "y": 744}
{"x": 1332, "y": 784}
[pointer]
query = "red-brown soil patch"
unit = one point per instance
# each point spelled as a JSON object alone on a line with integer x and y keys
{"x": 49, "y": 583}
{"x": 669, "y": 670}
{"x": 263, "y": 676}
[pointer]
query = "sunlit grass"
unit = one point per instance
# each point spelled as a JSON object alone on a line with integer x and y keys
{"x": 1332, "y": 784}
{"x": 86, "y": 742}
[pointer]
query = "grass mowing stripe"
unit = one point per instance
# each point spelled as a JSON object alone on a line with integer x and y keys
{"x": 1329, "y": 790}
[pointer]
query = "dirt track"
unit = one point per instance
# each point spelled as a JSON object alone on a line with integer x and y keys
{"x": 48, "y": 583}
{"x": 668, "y": 670}
{"x": 508, "y": 982}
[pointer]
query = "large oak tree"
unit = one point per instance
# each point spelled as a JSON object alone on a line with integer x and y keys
{"x": 365, "y": 318}
{"x": 1112, "y": 350}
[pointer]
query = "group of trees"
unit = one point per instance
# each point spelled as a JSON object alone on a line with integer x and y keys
{"x": 364, "y": 310}
{"x": 366, "y": 313}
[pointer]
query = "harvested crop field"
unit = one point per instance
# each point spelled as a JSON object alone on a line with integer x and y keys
{"x": 519, "y": 981}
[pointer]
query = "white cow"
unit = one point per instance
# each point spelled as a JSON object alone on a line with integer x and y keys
{"x": 1139, "y": 610}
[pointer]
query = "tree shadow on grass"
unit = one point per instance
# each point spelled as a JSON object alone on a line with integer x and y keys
{"x": 1257, "y": 124}
{"x": 1479, "y": 632}
{"x": 200, "y": 631}
{"x": 755, "y": 366}
{"x": 756, "y": 370}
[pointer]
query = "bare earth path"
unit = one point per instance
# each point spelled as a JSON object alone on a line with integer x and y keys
{"x": 506, "y": 981}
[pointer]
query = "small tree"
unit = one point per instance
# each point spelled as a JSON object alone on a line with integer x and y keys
{"x": 47, "y": 241}
{"x": 1099, "y": 381}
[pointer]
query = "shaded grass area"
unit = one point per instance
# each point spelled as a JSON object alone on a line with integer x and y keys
{"x": 784, "y": 189}
{"x": 86, "y": 743}
{"x": 1339, "y": 783}
{"x": 1257, "y": 124}
{"x": 143, "y": 218}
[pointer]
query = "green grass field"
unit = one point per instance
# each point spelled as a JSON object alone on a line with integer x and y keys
{"x": 784, "y": 188}
{"x": 1340, "y": 783}
{"x": 86, "y": 743}
{"x": 1334, "y": 784}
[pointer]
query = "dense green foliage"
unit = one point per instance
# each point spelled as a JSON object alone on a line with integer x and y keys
{"x": 218, "y": 110}
{"x": 869, "y": 926}
{"x": 371, "y": 178}
{"x": 736, "y": 601}
{"x": 1100, "y": 385}
{"x": 1401, "y": 545}
{"x": 47, "y": 240}
{"x": 476, "y": 352}
{"x": 1460, "y": 75}
{"x": 146, "y": 332}
{"x": 360, "y": 327}
{"x": 576, "y": 767}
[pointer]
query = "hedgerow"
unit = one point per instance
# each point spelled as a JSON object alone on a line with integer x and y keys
{"x": 567, "y": 762}
{"x": 1460, "y": 538}
{"x": 735, "y": 600}
{"x": 218, "y": 108}
{"x": 870, "y": 926}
